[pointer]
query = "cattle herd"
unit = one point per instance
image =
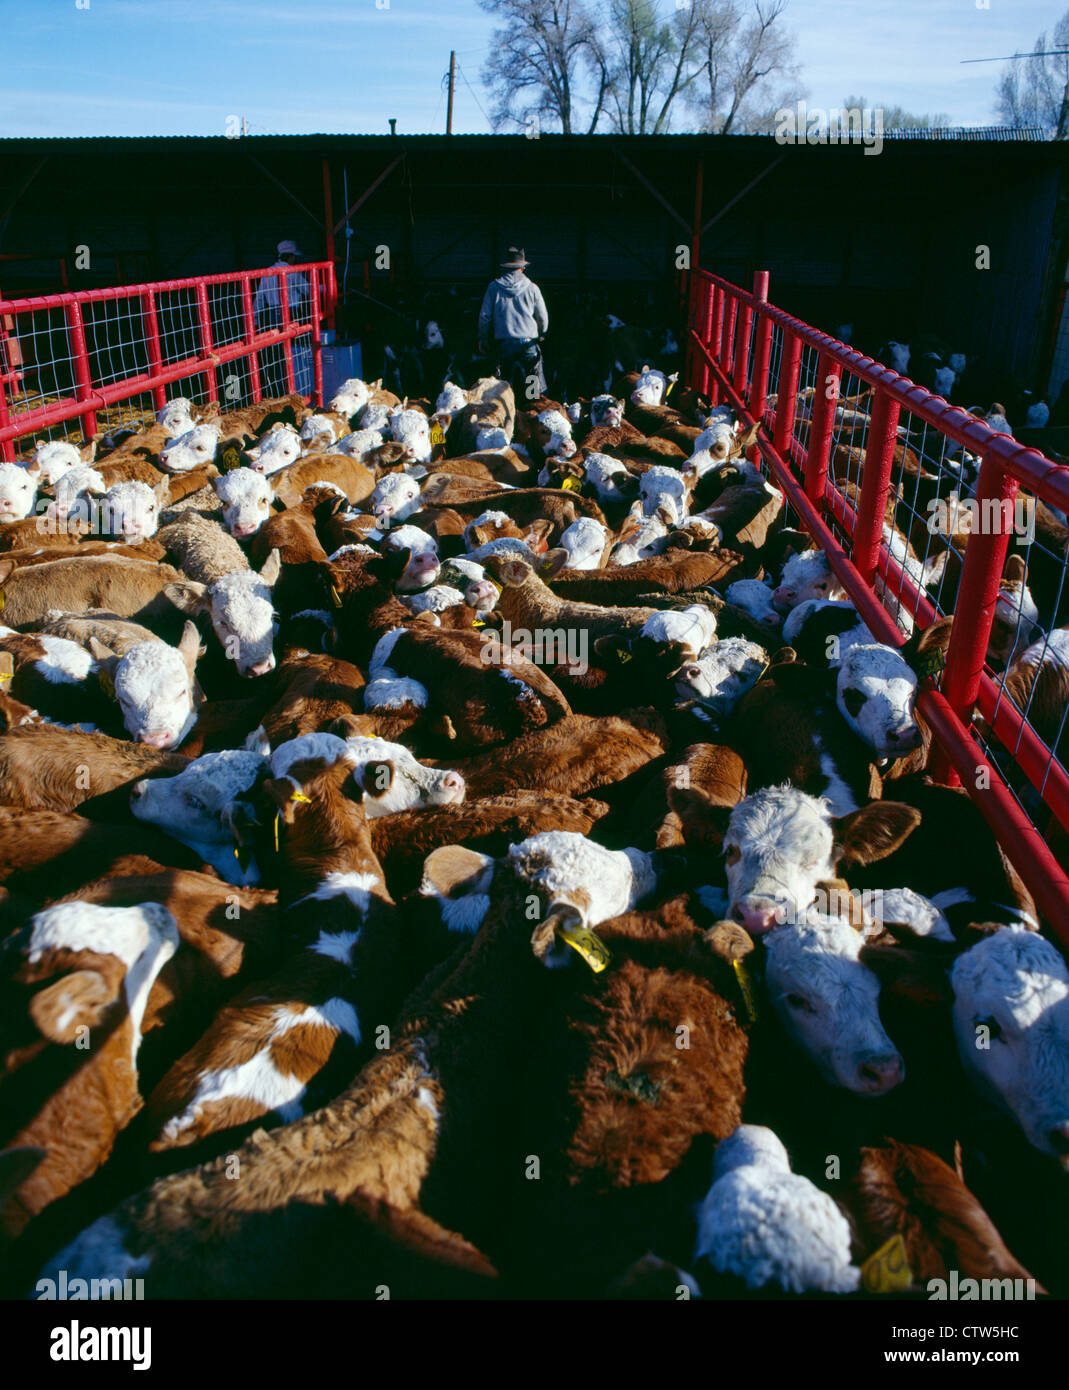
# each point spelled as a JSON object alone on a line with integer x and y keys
{"x": 467, "y": 847}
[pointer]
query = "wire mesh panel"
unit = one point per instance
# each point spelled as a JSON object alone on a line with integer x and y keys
{"x": 75, "y": 364}
{"x": 927, "y": 514}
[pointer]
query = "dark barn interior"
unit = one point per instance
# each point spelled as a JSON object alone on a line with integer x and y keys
{"x": 887, "y": 242}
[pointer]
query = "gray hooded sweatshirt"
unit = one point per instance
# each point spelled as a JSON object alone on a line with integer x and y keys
{"x": 514, "y": 307}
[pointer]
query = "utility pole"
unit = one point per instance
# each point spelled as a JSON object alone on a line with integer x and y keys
{"x": 452, "y": 80}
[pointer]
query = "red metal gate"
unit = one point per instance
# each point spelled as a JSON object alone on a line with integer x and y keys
{"x": 776, "y": 369}
{"x": 67, "y": 358}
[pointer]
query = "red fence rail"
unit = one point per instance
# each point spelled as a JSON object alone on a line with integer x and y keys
{"x": 792, "y": 364}
{"x": 66, "y": 358}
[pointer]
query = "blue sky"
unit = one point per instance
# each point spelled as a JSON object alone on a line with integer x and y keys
{"x": 172, "y": 67}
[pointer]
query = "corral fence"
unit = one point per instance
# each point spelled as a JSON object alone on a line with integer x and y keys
{"x": 841, "y": 454}
{"x": 71, "y": 364}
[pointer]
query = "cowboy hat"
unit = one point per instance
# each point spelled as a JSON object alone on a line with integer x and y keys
{"x": 515, "y": 260}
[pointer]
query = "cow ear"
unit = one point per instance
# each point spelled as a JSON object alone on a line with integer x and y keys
{"x": 162, "y": 491}
{"x": 552, "y": 562}
{"x": 6, "y": 569}
{"x": 375, "y": 777}
{"x": 74, "y": 1001}
{"x": 189, "y": 646}
{"x": 99, "y": 652}
{"x": 703, "y": 823}
{"x": 453, "y": 870}
{"x": 749, "y": 439}
{"x": 272, "y": 568}
{"x": 911, "y": 972}
{"x": 663, "y": 514}
{"x": 187, "y": 595}
{"x": 513, "y": 573}
{"x": 346, "y": 726}
{"x": 874, "y": 832}
{"x": 537, "y": 534}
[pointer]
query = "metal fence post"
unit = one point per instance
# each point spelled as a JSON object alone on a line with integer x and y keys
{"x": 978, "y": 591}
{"x": 762, "y": 350}
{"x": 250, "y": 336}
{"x": 821, "y": 422}
{"x": 82, "y": 376}
{"x": 875, "y": 484}
{"x": 204, "y": 318}
{"x": 152, "y": 344}
{"x": 287, "y": 342}
{"x": 317, "y": 346}
{"x": 790, "y": 368}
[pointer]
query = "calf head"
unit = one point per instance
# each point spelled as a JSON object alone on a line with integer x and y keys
{"x": 176, "y": 416}
{"x": 1011, "y": 1021}
{"x": 606, "y": 410}
{"x": 241, "y": 610}
{"x": 280, "y": 447}
{"x": 154, "y": 687}
{"x": 394, "y": 498}
{"x": 421, "y": 569}
{"x": 18, "y": 492}
{"x": 780, "y": 843}
{"x": 202, "y": 802}
{"x": 667, "y": 489}
{"x": 875, "y": 691}
{"x": 246, "y": 497}
{"x": 52, "y": 460}
{"x": 133, "y": 508}
{"x": 190, "y": 450}
{"x": 828, "y": 1002}
{"x": 806, "y": 575}
{"x": 553, "y": 433}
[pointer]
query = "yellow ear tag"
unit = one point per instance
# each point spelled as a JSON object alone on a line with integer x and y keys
{"x": 437, "y": 434}
{"x": 297, "y": 796}
{"x": 887, "y": 1271}
{"x": 478, "y": 622}
{"x": 590, "y": 947}
{"x": 571, "y": 485}
{"x": 669, "y": 390}
{"x": 231, "y": 459}
{"x": 746, "y": 984}
{"x": 624, "y": 656}
{"x": 6, "y": 675}
{"x": 496, "y": 585}
{"x": 2, "y": 600}
{"x": 335, "y": 596}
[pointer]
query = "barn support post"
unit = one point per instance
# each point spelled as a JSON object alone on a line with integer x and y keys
{"x": 349, "y": 212}
{"x": 328, "y": 232}
{"x": 692, "y": 274}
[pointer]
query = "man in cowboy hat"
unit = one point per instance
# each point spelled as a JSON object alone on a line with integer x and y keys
{"x": 267, "y": 308}
{"x": 512, "y": 321}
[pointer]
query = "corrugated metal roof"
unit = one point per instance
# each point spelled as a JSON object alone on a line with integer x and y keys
{"x": 1028, "y": 134}
{"x": 1032, "y": 134}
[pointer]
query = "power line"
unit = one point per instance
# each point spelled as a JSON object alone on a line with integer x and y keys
{"x": 1051, "y": 53}
{"x": 471, "y": 89}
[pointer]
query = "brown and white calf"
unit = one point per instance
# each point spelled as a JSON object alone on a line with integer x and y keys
{"x": 267, "y": 1046}
{"x": 86, "y": 973}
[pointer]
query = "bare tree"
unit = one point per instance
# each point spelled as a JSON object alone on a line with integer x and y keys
{"x": 740, "y": 59}
{"x": 652, "y": 60}
{"x": 538, "y": 58}
{"x": 1034, "y": 90}
{"x": 897, "y": 117}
